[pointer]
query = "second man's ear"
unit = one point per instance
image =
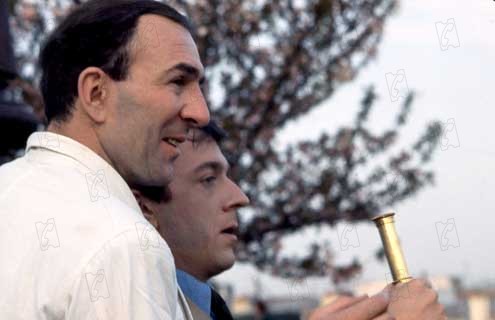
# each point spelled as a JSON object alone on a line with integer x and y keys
{"x": 147, "y": 209}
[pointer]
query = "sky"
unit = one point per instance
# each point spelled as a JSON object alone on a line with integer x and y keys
{"x": 445, "y": 49}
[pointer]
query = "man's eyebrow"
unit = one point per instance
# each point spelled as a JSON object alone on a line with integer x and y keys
{"x": 190, "y": 70}
{"x": 216, "y": 166}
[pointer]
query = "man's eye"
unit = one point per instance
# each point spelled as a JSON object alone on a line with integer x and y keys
{"x": 179, "y": 81}
{"x": 209, "y": 180}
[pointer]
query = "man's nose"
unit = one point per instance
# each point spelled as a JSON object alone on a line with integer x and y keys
{"x": 196, "y": 112}
{"x": 238, "y": 198}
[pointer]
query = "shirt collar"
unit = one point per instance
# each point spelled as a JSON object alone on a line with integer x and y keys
{"x": 95, "y": 167}
{"x": 199, "y": 292}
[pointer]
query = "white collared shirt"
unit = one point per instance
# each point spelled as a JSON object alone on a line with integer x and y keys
{"x": 73, "y": 242}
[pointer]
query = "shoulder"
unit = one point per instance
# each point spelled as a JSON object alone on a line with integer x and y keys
{"x": 35, "y": 179}
{"x": 131, "y": 275}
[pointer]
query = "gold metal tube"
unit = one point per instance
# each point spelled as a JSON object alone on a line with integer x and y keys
{"x": 386, "y": 226}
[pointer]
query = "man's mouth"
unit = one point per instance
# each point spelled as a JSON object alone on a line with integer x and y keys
{"x": 174, "y": 141}
{"x": 232, "y": 230}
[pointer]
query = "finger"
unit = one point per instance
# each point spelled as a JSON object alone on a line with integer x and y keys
{"x": 343, "y": 302}
{"x": 368, "y": 308}
{"x": 340, "y": 303}
{"x": 384, "y": 316}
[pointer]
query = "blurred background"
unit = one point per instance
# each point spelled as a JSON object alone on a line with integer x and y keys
{"x": 337, "y": 111}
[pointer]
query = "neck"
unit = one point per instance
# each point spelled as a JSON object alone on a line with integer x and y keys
{"x": 81, "y": 133}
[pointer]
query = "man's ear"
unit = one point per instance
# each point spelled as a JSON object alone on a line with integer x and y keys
{"x": 93, "y": 93}
{"x": 147, "y": 209}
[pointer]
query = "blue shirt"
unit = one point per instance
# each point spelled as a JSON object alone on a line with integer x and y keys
{"x": 199, "y": 292}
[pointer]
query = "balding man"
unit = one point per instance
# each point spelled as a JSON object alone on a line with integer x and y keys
{"x": 121, "y": 86}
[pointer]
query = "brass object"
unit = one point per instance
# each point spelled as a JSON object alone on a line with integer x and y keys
{"x": 386, "y": 226}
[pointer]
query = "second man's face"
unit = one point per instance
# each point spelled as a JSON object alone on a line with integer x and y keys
{"x": 199, "y": 222}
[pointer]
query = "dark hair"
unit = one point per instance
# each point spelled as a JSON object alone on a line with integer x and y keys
{"x": 97, "y": 34}
{"x": 162, "y": 194}
{"x": 211, "y": 130}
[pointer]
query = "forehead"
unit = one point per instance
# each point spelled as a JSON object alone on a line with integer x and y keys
{"x": 193, "y": 156}
{"x": 164, "y": 43}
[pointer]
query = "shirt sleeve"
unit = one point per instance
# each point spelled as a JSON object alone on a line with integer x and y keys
{"x": 126, "y": 279}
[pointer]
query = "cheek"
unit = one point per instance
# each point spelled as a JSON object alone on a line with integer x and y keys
{"x": 168, "y": 111}
{"x": 199, "y": 221}
{"x": 136, "y": 138}
{"x": 130, "y": 113}
{"x": 146, "y": 105}
{"x": 167, "y": 103}
{"x": 160, "y": 101}
{"x": 143, "y": 128}
{"x": 186, "y": 219}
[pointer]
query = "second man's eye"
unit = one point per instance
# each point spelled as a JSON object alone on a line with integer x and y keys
{"x": 181, "y": 81}
{"x": 209, "y": 180}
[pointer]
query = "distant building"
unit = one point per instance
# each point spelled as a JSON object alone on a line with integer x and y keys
{"x": 480, "y": 303}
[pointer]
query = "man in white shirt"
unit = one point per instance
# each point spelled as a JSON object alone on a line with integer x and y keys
{"x": 121, "y": 86}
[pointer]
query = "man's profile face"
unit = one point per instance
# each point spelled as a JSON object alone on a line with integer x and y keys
{"x": 199, "y": 221}
{"x": 157, "y": 102}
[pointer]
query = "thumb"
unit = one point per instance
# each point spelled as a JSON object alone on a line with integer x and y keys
{"x": 344, "y": 302}
{"x": 384, "y": 316}
{"x": 368, "y": 308}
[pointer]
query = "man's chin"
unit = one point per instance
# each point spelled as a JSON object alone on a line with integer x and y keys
{"x": 227, "y": 262}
